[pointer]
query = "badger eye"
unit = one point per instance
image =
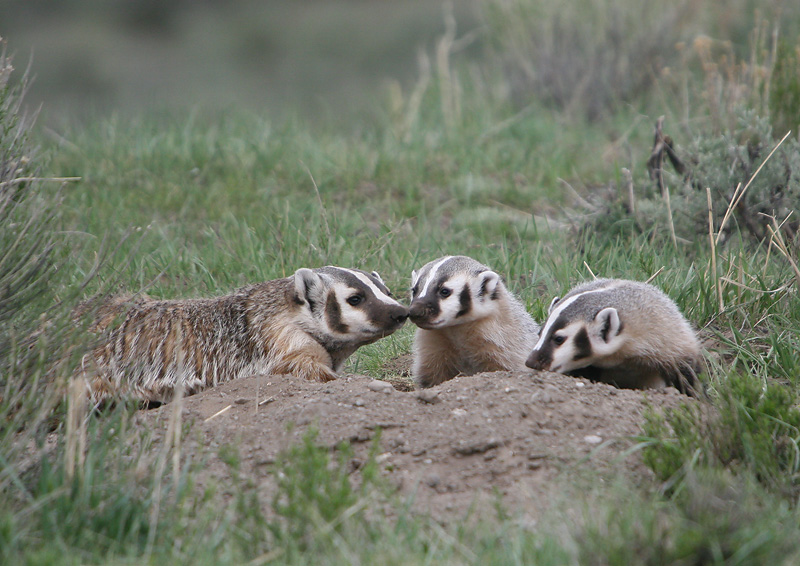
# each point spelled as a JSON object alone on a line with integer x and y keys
{"x": 558, "y": 339}
{"x": 445, "y": 292}
{"x": 355, "y": 300}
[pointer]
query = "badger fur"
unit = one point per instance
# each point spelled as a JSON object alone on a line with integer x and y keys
{"x": 468, "y": 322}
{"x": 626, "y": 333}
{"x": 307, "y": 325}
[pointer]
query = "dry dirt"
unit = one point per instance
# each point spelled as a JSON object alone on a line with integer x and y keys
{"x": 517, "y": 434}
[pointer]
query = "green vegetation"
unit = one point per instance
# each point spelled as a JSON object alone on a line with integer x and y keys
{"x": 511, "y": 159}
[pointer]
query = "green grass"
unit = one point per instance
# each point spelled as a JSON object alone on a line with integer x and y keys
{"x": 192, "y": 204}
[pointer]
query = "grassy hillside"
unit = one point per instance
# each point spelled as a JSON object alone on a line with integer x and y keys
{"x": 481, "y": 159}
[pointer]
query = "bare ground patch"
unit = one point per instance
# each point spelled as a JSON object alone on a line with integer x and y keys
{"x": 523, "y": 436}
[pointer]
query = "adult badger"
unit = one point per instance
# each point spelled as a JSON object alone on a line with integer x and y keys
{"x": 307, "y": 325}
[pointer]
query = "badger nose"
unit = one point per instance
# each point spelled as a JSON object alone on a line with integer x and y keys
{"x": 400, "y": 315}
{"x": 537, "y": 360}
{"x": 417, "y": 310}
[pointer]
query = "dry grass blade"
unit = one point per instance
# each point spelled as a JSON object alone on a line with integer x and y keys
{"x": 75, "y": 427}
{"x": 218, "y": 413}
{"x": 737, "y": 198}
{"x": 712, "y": 240}
{"x": 654, "y": 275}
{"x": 776, "y": 239}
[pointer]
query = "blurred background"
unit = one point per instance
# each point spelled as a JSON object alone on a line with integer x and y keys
{"x": 316, "y": 56}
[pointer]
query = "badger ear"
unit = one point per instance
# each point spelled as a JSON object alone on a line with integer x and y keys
{"x": 307, "y": 286}
{"x": 553, "y": 303}
{"x": 488, "y": 281}
{"x": 608, "y": 323}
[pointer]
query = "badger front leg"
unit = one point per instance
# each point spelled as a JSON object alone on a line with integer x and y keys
{"x": 311, "y": 362}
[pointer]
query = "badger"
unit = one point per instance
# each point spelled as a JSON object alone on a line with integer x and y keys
{"x": 307, "y": 325}
{"x": 468, "y": 322}
{"x": 626, "y": 333}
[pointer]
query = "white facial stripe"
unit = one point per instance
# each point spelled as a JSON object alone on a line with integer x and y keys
{"x": 559, "y": 308}
{"x": 432, "y": 274}
{"x": 380, "y": 295}
{"x": 563, "y": 355}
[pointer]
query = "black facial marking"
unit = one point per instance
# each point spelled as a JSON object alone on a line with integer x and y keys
{"x": 465, "y": 299}
{"x": 604, "y": 330}
{"x": 583, "y": 348}
{"x": 607, "y": 327}
{"x": 333, "y": 314}
{"x": 482, "y": 290}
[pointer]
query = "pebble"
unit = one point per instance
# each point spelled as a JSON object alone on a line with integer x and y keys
{"x": 358, "y": 402}
{"x": 592, "y": 439}
{"x": 465, "y": 448}
{"x": 380, "y": 386}
{"x": 458, "y": 412}
{"x": 428, "y": 396}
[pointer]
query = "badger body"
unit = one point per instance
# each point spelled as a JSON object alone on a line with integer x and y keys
{"x": 468, "y": 322}
{"x": 306, "y": 325}
{"x": 626, "y": 333}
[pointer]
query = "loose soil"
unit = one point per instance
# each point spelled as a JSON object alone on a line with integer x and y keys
{"x": 448, "y": 449}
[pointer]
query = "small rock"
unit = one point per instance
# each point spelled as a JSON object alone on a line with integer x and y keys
{"x": 428, "y": 396}
{"x": 433, "y": 481}
{"x": 467, "y": 447}
{"x": 381, "y": 458}
{"x": 511, "y": 390}
{"x": 458, "y": 412}
{"x": 358, "y": 402}
{"x": 580, "y": 384}
{"x": 380, "y": 386}
{"x": 534, "y": 465}
{"x": 241, "y": 401}
{"x": 592, "y": 439}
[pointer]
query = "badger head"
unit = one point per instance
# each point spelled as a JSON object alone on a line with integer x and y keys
{"x": 346, "y": 307}
{"x": 579, "y": 332}
{"x": 452, "y": 290}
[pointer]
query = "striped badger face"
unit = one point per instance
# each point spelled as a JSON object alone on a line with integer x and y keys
{"x": 579, "y": 332}
{"x": 348, "y": 305}
{"x": 452, "y": 290}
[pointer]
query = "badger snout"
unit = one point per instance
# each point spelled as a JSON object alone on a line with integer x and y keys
{"x": 539, "y": 360}
{"x": 398, "y": 315}
{"x": 421, "y": 312}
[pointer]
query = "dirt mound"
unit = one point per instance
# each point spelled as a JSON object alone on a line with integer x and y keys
{"x": 449, "y": 447}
